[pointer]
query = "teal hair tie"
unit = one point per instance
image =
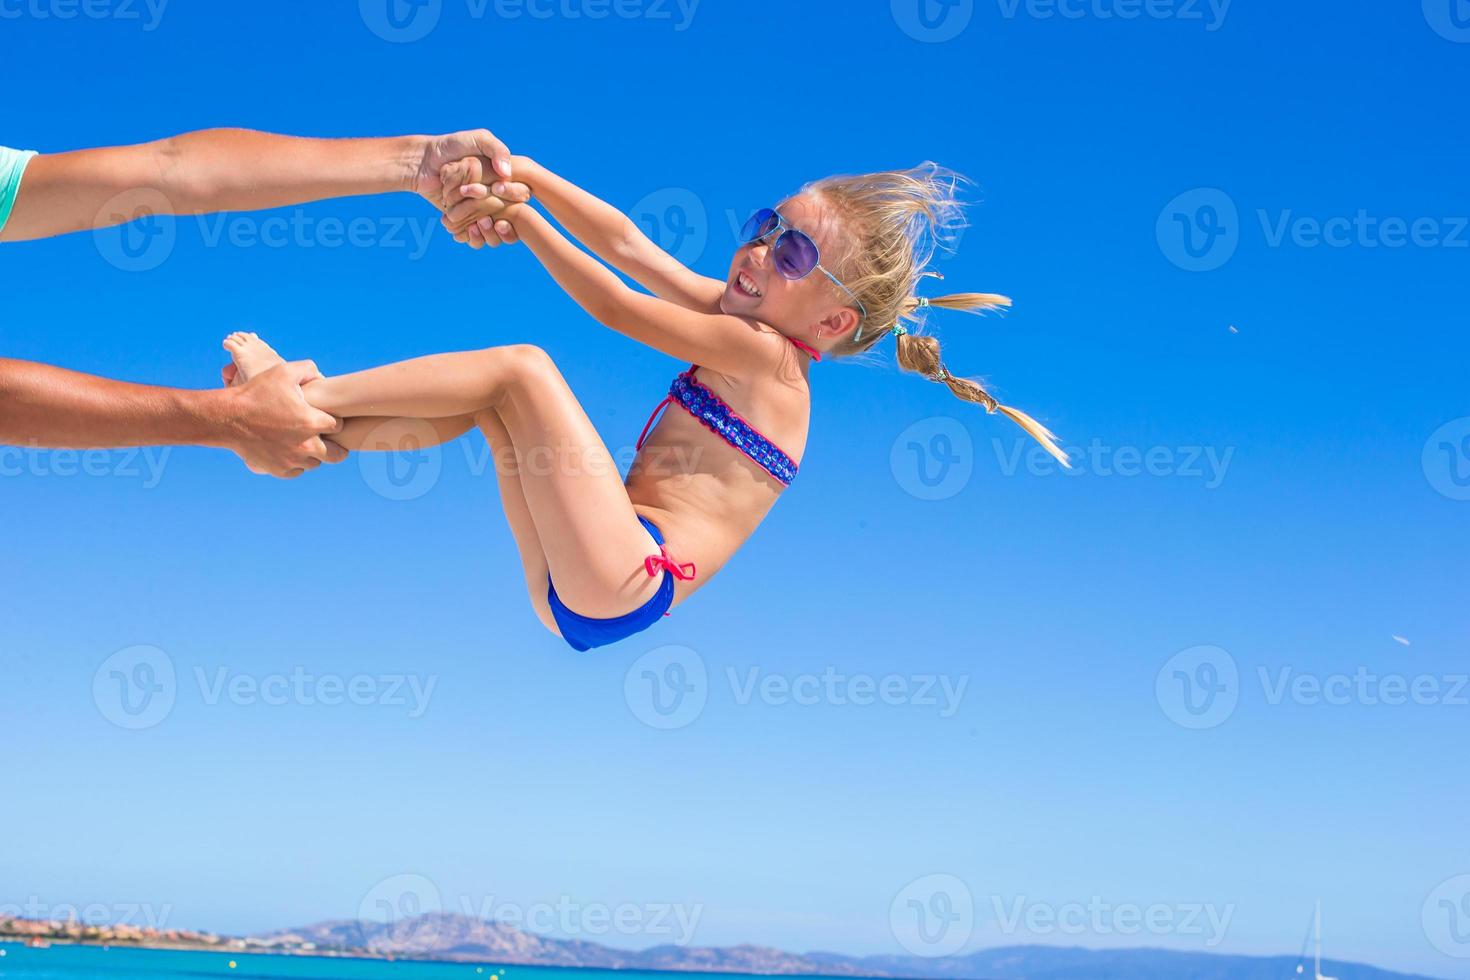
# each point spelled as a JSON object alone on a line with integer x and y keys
{"x": 898, "y": 330}
{"x": 920, "y": 302}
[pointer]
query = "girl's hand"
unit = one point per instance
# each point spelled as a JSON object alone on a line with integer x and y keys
{"x": 499, "y": 228}
{"x": 495, "y": 230}
{"x": 471, "y": 205}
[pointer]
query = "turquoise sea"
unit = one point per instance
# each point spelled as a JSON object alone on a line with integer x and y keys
{"x": 94, "y": 963}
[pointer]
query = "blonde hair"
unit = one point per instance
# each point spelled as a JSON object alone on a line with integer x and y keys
{"x": 895, "y": 220}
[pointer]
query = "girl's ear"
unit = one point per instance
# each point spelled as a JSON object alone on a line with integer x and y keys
{"x": 840, "y": 322}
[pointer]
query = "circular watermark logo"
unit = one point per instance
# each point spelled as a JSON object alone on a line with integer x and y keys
{"x": 401, "y": 21}
{"x": 934, "y": 458}
{"x": 677, "y": 220}
{"x": 933, "y": 915}
{"x": 1446, "y": 459}
{"x": 405, "y": 460}
{"x": 399, "y": 902}
{"x": 1449, "y": 18}
{"x": 933, "y": 21}
{"x": 1198, "y": 688}
{"x": 667, "y": 687}
{"x": 1446, "y": 917}
{"x": 1199, "y": 231}
{"x": 136, "y": 231}
{"x": 135, "y": 688}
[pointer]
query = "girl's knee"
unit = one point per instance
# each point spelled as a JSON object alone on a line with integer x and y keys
{"x": 529, "y": 362}
{"x": 507, "y": 369}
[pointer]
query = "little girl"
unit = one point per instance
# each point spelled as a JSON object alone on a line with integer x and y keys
{"x": 828, "y": 272}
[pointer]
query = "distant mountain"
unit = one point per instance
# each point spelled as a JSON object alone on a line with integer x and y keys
{"x": 1076, "y": 963}
{"x": 445, "y": 936}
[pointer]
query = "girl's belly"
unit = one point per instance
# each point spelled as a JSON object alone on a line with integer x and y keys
{"x": 707, "y": 501}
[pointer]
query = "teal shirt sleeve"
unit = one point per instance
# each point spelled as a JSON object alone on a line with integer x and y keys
{"x": 12, "y": 168}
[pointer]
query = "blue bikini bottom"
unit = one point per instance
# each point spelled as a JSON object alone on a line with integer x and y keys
{"x": 584, "y": 632}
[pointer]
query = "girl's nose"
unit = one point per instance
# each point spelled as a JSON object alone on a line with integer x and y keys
{"x": 759, "y": 253}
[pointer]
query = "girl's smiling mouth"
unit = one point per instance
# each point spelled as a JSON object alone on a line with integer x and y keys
{"x": 746, "y": 285}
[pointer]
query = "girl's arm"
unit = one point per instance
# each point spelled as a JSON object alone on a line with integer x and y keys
{"x": 602, "y": 228}
{"x": 728, "y": 344}
{"x": 229, "y": 170}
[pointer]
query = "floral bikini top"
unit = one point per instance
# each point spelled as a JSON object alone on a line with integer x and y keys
{"x": 710, "y": 409}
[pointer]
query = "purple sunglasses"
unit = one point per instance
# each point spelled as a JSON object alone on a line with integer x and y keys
{"x": 794, "y": 253}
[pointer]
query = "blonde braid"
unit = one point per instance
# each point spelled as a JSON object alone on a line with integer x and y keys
{"x": 895, "y": 220}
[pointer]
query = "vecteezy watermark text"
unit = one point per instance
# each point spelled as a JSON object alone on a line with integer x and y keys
{"x": 1208, "y": 464}
{"x": 837, "y": 689}
{"x": 404, "y": 459}
{"x": 669, "y": 687}
{"x": 148, "y": 14}
{"x": 1201, "y": 687}
{"x": 137, "y": 231}
{"x": 1210, "y": 14}
{"x": 300, "y": 687}
{"x": 937, "y": 21}
{"x": 407, "y": 21}
{"x": 140, "y": 915}
{"x": 145, "y": 464}
{"x": 937, "y": 915}
{"x": 137, "y": 688}
{"x": 1201, "y": 230}
{"x": 1100, "y": 917}
{"x": 402, "y": 900}
{"x": 1363, "y": 686}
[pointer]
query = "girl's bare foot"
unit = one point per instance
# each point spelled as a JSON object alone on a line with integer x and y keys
{"x": 251, "y": 356}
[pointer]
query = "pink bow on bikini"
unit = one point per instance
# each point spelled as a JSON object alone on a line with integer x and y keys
{"x": 662, "y": 562}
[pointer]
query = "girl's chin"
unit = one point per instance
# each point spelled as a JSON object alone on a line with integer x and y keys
{"x": 736, "y": 303}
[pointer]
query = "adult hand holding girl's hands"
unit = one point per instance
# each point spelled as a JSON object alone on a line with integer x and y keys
{"x": 457, "y": 156}
{"x": 475, "y": 197}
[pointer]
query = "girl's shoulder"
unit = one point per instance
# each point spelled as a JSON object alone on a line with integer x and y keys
{"x": 774, "y": 375}
{"x": 775, "y": 356}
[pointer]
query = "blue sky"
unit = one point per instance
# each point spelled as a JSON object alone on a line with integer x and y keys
{"x": 1289, "y": 495}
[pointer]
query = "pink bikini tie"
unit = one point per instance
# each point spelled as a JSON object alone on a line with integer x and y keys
{"x": 653, "y": 564}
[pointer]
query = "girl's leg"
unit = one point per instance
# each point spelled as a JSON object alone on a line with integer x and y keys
{"x": 436, "y": 386}
{"x": 588, "y": 531}
{"x": 518, "y": 513}
{"x": 382, "y": 434}
{"x": 363, "y": 433}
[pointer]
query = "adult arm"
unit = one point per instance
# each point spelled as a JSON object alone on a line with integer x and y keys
{"x": 231, "y": 170}
{"x": 266, "y": 421}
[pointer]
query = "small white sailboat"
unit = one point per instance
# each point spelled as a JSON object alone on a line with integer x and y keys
{"x": 1316, "y": 936}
